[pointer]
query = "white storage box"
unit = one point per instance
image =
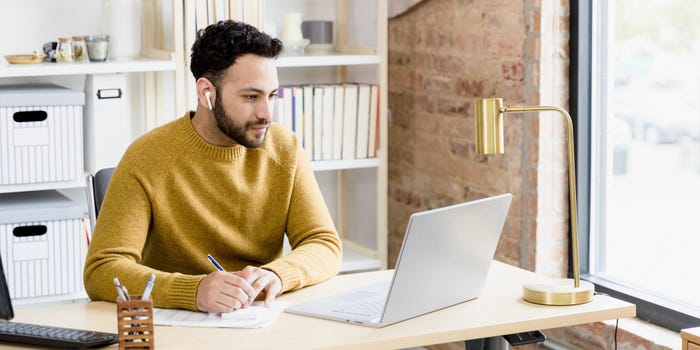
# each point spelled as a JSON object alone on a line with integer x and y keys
{"x": 41, "y": 134}
{"x": 42, "y": 244}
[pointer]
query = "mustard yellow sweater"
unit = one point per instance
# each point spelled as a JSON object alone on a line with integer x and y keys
{"x": 175, "y": 198}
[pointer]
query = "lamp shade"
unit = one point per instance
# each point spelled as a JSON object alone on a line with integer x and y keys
{"x": 489, "y": 126}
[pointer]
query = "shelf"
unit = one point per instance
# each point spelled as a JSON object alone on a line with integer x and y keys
{"x": 337, "y": 59}
{"x": 113, "y": 66}
{"x": 322, "y": 165}
{"x": 42, "y": 186}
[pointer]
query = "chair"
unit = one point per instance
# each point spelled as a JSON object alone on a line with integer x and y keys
{"x": 96, "y": 189}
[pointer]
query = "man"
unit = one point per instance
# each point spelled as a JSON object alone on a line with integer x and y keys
{"x": 221, "y": 180}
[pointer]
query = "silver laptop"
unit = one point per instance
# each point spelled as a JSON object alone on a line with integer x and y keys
{"x": 444, "y": 260}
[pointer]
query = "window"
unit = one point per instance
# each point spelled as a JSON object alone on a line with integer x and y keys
{"x": 636, "y": 73}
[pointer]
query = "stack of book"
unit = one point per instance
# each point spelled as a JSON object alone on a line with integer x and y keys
{"x": 333, "y": 121}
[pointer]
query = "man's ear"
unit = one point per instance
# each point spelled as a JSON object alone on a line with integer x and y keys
{"x": 205, "y": 91}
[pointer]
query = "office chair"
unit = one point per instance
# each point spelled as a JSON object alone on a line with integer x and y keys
{"x": 96, "y": 189}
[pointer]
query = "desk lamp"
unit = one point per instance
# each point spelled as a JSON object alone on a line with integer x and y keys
{"x": 489, "y": 140}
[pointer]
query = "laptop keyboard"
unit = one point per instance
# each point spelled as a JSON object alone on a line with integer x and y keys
{"x": 55, "y": 337}
{"x": 367, "y": 307}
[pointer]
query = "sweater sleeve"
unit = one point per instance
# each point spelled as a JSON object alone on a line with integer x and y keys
{"x": 117, "y": 244}
{"x": 316, "y": 248}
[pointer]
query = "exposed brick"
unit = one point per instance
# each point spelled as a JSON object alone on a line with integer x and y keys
{"x": 438, "y": 84}
{"x": 470, "y": 88}
{"x": 444, "y": 54}
{"x": 513, "y": 70}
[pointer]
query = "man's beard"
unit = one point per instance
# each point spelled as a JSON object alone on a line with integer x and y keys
{"x": 234, "y": 131}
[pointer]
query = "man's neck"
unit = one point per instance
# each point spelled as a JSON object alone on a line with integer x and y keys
{"x": 205, "y": 126}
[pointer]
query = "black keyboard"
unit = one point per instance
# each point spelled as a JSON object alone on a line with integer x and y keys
{"x": 55, "y": 337}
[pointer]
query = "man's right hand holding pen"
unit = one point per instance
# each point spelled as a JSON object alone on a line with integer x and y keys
{"x": 222, "y": 291}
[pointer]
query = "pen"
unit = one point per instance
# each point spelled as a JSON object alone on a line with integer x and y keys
{"x": 215, "y": 263}
{"x": 121, "y": 290}
{"x": 220, "y": 268}
{"x": 149, "y": 287}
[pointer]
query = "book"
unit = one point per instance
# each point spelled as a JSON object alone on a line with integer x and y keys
{"x": 318, "y": 121}
{"x": 338, "y": 122}
{"x": 309, "y": 120}
{"x": 363, "y": 97}
{"x": 328, "y": 122}
{"x": 373, "y": 139}
{"x": 287, "y": 107}
{"x": 298, "y": 111}
{"x": 349, "y": 121}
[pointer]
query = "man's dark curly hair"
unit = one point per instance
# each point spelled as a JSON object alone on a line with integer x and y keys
{"x": 219, "y": 45}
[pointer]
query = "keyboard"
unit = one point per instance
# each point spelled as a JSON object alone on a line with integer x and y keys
{"x": 55, "y": 337}
{"x": 368, "y": 307}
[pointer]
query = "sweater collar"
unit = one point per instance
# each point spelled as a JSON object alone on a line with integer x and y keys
{"x": 198, "y": 144}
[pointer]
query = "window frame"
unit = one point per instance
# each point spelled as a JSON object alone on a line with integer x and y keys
{"x": 662, "y": 311}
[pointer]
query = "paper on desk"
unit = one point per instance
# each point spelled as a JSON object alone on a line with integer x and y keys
{"x": 254, "y": 316}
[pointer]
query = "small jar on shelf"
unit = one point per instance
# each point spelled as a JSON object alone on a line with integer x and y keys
{"x": 64, "y": 51}
{"x": 79, "y": 47}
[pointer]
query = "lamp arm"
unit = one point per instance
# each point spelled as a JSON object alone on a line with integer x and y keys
{"x": 572, "y": 178}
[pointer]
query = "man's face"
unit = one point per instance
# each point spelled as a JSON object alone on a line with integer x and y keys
{"x": 244, "y": 98}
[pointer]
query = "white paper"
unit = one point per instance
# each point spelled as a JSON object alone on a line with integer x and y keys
{"x": 254, "y": 316}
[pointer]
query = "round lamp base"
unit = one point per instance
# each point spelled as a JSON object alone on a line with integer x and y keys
{"x": 558, "y": 292}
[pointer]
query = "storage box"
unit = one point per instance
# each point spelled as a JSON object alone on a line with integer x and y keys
{"x": 41, "y": 134}
{"x": 42, "y": 244}
{"x": 106, "y": 122}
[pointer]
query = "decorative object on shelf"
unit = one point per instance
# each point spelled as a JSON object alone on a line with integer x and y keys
{"x": 294, "y": 42}
{"x": 79, "y": 46}
{"x": 489, "y": 140}
{"x": 49, "y": 49}
{"x": 320, "y": 35}
{"x": 97, "y": 47}
{"x": 122, "y": 22}
{"x": 64, "y": 52}
{"x": 34, "y": 58}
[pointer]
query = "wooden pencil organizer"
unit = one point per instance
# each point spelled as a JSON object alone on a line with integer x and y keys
{"x": 135, "y": 323}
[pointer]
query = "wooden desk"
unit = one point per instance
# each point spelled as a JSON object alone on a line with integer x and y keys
{"x": 691, "y": 338}
{"x": 500, "y": 310}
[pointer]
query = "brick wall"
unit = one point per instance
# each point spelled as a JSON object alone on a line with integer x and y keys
{"x": 443, "y": 54}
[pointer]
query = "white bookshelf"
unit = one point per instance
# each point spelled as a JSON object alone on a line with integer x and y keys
{"x": 150, "y": 92}
{"x": 336, "y": 59}
{"x": 328, "y": 165}
{"x": 355, "y": 190}
{"x": 140, "y": 64}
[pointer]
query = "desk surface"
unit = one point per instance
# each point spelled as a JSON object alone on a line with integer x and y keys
{"x": 500, "y": 310}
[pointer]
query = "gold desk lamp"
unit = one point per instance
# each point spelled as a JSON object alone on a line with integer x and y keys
{"x": 489, "y": 140}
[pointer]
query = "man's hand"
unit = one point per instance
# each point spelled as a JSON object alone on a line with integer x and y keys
{"x": 262, "y": 280}
{"x": 224, "y": 292}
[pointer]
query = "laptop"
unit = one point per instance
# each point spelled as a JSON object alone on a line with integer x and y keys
{"x": 444, "y": 260}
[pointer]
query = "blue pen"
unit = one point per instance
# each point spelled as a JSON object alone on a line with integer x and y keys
{"x": 149, "y": 287}
{"x": 215, "y": 263}
{"x": 220, "y": 268}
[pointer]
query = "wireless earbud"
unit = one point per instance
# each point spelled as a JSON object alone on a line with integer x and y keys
{"x": 208, "y": 95}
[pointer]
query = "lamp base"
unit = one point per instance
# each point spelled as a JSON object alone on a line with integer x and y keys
{"x": 559, "y": 291}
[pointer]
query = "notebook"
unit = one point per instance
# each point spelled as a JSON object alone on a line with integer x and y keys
{"x": 444, "y": 260}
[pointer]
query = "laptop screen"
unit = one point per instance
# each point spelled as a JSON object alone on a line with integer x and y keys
{"x": 6, "y": 311}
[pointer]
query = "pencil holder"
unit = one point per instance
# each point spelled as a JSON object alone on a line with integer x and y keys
{"x": 135, "y": 323}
